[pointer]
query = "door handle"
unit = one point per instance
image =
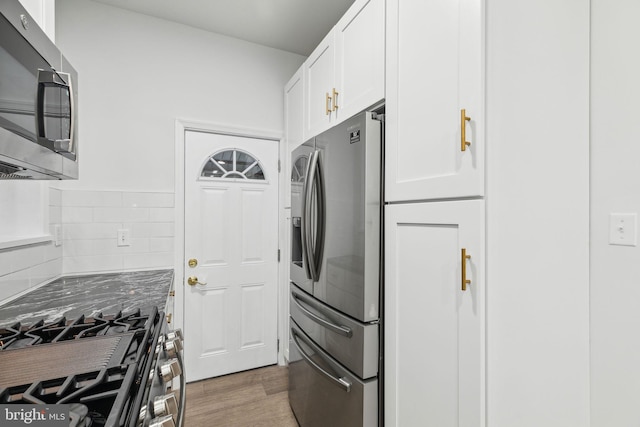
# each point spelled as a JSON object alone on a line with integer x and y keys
{"x": 464, "y": 257}
{"x": 193, "y": 262}
{"x": 193, "y": 280}
{"x": 463, "y": 130}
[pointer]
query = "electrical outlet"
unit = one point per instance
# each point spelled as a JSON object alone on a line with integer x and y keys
{"x": 57, "y": 235}
{"x": 622, "y": 229}
{"x": 124, "y": 237}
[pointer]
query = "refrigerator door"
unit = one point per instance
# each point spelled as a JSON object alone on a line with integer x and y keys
{"x": 299, "y": 266}
{"x": 350, "y": 156}
{"x": 323, "y": 393}
{"x": 354, "y": 344}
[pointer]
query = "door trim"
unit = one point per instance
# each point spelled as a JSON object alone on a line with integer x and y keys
{"x": 181, "y": 127}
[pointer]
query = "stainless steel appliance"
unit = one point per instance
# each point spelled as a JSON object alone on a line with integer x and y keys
{"x": 336, "y": 209}
{"x": 113, "y": 370}
{"x": 38, "y": 99}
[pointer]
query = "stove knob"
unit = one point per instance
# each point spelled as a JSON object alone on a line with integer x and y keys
{"x": 143, "y": 415}
{"x": 175, "y": 334}
{"x": 173, "y": 347}
{"x": 170, "y": 370}
{"x": 165, "y": 405}
{"x": 166, "y": 421}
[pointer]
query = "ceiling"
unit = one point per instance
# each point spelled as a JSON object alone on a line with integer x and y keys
{"x": 292, "y": 25}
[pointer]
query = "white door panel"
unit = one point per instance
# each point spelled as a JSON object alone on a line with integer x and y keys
{"x": 434, "y": 349}
{"x": 231, "y": 229}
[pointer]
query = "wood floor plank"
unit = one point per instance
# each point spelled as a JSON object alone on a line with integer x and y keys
{"x": 256, "y": 398}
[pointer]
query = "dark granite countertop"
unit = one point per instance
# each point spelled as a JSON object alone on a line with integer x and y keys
{"x": 73, "y": 296}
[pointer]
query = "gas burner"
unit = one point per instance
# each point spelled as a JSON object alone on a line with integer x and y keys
{"x": 97, "y": 398}
{"x": 19, "y": 336}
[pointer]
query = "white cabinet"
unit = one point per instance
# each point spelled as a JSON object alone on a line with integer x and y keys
{"x": 345, "y": 73}
{"x": 434, "y": 71}
{"x": 43, "y": 11}
{"x": 434, "y": 330}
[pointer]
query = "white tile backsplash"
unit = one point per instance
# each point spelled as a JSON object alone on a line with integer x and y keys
{"x": 90, "y": 221}
{"x": 24, "y": 267}
{"x": 148, "y": 216}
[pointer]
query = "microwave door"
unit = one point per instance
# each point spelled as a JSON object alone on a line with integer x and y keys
{"x": 299, "y": 265}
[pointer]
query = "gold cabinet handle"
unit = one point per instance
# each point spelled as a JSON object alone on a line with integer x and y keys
{"x": 335, "y": 99}
{"x": 169, "y": 316}
{"x": 463, "y": 130}
{"x": 327, "y": 100}
{"x": 465, "y": 257}
{"x": 193, "y": 280}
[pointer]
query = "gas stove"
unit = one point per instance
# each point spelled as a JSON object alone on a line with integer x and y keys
{"x": 112, "y": 370}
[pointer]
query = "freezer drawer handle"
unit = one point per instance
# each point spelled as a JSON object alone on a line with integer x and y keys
{"x": 342, "y": 330}
{"x": 342, "y": 382}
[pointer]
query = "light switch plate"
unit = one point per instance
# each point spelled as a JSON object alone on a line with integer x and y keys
{"x": 622, "y": 229}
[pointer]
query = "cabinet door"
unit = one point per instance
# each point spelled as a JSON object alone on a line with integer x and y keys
{"x": 434, "y": 331}
{"x": 318, "y": 81}
{"x": 359, "y": 58}
{"x": 434, "y": 70}
{"x": 43, "y": 11}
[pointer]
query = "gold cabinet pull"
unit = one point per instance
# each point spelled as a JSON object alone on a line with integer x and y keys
{"x": 327, "y": 109}
{"x": 465, "y": 257}
{"x": 169, "y": 316}
{"x": 463, "y": 130}
{"x": 335, "y": 99}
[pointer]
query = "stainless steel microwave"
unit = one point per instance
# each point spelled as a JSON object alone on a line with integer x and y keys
{"x": 38, "y": 101}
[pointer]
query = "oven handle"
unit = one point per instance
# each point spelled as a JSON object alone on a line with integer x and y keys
{"x": 183, "y": 391}
{"x": 54, "y": 78}
{"x": 341, "y": 382}
{"x": 342, "y": 330}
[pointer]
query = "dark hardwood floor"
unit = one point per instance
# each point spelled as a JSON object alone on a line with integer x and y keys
{"x": 255, "y": 398}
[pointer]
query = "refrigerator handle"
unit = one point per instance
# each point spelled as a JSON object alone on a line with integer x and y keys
{"x": 342, "y": 330}
{"x": 341, "y": 382}
{"x": 305, "y": 221}
{"x": 306, "y": 207}
{"x": 321, "y": 215}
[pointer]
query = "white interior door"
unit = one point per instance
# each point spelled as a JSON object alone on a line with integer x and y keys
{"x": 231, "y": 230}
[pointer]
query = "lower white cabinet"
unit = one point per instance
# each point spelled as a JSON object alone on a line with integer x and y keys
{"x": 434, "y": 345}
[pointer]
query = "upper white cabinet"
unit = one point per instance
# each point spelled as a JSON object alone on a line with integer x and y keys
{"x": 43, "y": 11}
{"x": 434, "y": 73}
{"x": 345, "y": 73}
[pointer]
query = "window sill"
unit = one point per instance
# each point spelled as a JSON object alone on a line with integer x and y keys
{"x": 7, "y": 242}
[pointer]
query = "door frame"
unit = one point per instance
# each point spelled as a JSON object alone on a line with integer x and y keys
{"x": 181, "y": 127}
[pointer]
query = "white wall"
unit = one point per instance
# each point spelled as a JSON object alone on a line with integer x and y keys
{"x": 25, "y": 267}
{"x": 137, "y": 74}
{"x": 537, "y": 213}
{"x": 615, "y": 187}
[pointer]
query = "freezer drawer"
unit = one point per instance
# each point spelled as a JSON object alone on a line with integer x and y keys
{"x": 352, "y": 343}
{"x": 323, "y": 393}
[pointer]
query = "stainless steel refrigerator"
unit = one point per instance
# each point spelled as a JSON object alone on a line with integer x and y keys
{"x": 336, "y": 280}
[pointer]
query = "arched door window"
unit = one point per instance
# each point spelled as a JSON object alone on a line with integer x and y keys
{"x": 233, "y": 164}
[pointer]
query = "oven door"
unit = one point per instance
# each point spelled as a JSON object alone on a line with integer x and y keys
{"x": 324, "y": 393}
